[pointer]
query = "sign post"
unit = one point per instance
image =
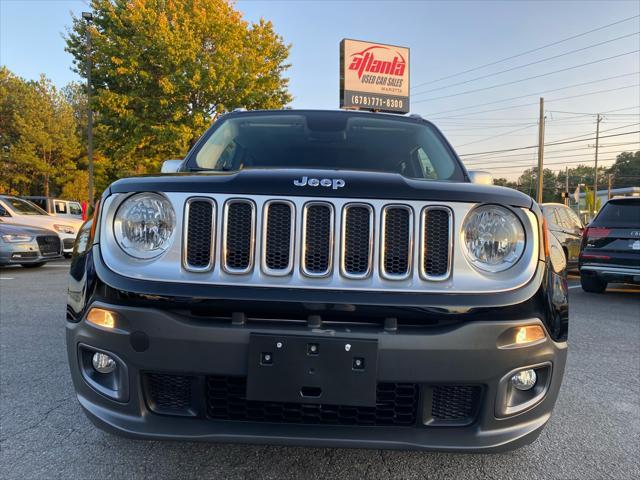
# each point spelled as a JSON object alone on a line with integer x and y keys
{"x": 374, "y": 76}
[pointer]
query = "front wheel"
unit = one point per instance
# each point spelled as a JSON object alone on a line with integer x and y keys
{"x": 593, "y": 284}
{"x": 33, "y": 265}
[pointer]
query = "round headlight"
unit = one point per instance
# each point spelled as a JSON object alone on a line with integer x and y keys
{"x": 493, "y": 238}
{"x": 144, "y": 224}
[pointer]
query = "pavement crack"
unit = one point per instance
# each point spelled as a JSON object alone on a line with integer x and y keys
{"x": 41, "y": 419}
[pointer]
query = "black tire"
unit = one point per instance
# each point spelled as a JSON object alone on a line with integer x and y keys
{"x": 593, "y": 284}
{"x": 68, "y": 255}
{"x": 33, "y": 265}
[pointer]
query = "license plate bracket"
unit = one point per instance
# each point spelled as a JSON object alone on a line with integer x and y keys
{"x": 311, "y": 369}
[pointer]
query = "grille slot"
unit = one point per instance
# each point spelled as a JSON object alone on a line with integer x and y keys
{"x": 199, "y": 234}
{"x": 455, "y": 404}
{"x": 278, "y": 234}
{"x": 357, "y": 237}
{"x": 396, "y": 404}
{"x": 48, "y": 245}
{"x": 436, "y": 243}
{"x": 169, "y": 394}
{"x": 317, "y": 239}
{"x": 238, "y": 236}
{"x": 397, "y": 228}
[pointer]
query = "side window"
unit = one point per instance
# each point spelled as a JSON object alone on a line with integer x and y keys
{"x": 75, "y": 208}
{"x": 575, "y": 220}
{"x": 3, "y": 211}
{"x": 567, "y": 221}
{"x": 425, "y": 165}
{"x": 60, "y": 207}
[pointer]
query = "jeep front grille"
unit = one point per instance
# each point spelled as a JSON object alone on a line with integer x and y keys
{"x": 436, "y": 243}
{"x": 357, "y": 238}
{"x": 324, "y": 239}
{"x": 278, "y": 236}
{"x": 238, "y": 235}
{"x": 317, "y": 239}
{"x": 396, "y": 241}
{"x": 198, "y": 237}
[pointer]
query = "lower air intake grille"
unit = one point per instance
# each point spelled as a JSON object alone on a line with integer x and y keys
{"x": 357, "y": 235}
{"x": 169, "y": 394}
{"x": 317, "y": 238}
{"x": 396, "y": 405}
{"x": 397, "y": 241}
{"x": 199, "y": 234}
{"x": 279, "y": 235}
{"x": 436, "y": 242}
{"x": 238, "y": 234}
{"x": 455, "y": 403}
{"x": 49, "y": 245}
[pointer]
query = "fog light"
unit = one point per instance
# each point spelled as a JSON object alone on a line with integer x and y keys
{"x": 103, "y": 363}
{"x": 102, "y": 318}
{"x": 524, "y": 379}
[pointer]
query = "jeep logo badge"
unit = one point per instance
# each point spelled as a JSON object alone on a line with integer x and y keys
{"x": 334, "y": 183}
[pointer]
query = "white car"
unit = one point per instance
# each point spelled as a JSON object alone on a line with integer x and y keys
{"x": 14, "y": 210}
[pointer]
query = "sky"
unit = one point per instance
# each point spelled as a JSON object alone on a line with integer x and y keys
{"x": 476, "y": 114}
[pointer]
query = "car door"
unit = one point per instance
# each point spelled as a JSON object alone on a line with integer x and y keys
{"x": 572, "y": 229}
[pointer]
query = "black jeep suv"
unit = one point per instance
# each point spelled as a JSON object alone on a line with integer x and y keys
{"x": 319, "y": 278}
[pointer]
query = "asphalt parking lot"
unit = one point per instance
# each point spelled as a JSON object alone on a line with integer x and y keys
{"x": 594, "y": 433}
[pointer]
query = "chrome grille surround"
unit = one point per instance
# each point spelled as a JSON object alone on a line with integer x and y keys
{"x": 423, "y": 244}
{"x": 304, "y": 260}
{"x": 226, "y": 251}
{"x": 349, "y": 243}
{"x": 384, "y": 250}
{"x": 185, "y": 235}
{"x": 266, "y": 223}
{"x": 463, "y": 277}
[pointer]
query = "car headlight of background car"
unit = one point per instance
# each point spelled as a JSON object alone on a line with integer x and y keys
{"x": 493, "y": 238}
{"x": 65, "y": 229}
{"x": 16, "y": 238}
{"x": 144, "y": 225}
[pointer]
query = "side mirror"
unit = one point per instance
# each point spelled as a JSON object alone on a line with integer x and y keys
{"x": 480, "y": 177}
{"x": 170, "y": 166}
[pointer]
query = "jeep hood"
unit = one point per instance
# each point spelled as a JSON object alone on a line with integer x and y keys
{"x": 357, "y": 185}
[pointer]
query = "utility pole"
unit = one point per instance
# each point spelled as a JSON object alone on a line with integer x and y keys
{"x": 88, "y": 17}
{"x": 595, "y": 171}
{"x": 609, "y": 187}
{"x": 566, "y": 188}
{"x": 540, "y": 151}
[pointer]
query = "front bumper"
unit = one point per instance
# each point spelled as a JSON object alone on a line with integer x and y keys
{"x": 24, "y": 252}
{"x": 158, "y": 340}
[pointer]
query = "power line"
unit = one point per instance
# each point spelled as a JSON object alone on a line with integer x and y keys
{"x": 547, "y": 144}
{"x": 526, "y": 64}
{"x": 547, "y": 164}
{"x": 602, "y": 131}
{"x": 593, "y": 62}
{"x": 538, "y": 93}
{"x": 509, "y": 156}
{"x": 498, "y": 135}
{"x": 583, "y": 114}
{"x": 526, "y": 52}
{"x": 535, "y": 103}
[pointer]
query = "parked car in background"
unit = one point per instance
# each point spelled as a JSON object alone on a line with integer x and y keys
{"x": 58, "y": 206}
{"x": 14, "y": 210}
{"x": 610, "y": 249}
{"x": 567, "y": 227}
{"x": 28, "y": 246}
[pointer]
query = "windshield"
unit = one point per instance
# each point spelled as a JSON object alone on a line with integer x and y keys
{"x": 328, "y": 140}
{"x": 22, "y": 207}
{"x": 619, "y": 213}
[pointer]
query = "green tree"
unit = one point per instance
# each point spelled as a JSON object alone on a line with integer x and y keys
{"x": 164, "y": 68}
{"x": 626, "y": 170}
{"x": 39, "y": 141}
{"x": 592, "y": 208}
{"x": 503, "y": 182}
{"x": 528, "y": 183}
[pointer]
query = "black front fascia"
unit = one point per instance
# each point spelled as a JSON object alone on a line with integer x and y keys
{"x": 544, "y": 297}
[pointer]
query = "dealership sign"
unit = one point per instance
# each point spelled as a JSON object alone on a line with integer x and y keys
{"x": 374, "y": 76}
